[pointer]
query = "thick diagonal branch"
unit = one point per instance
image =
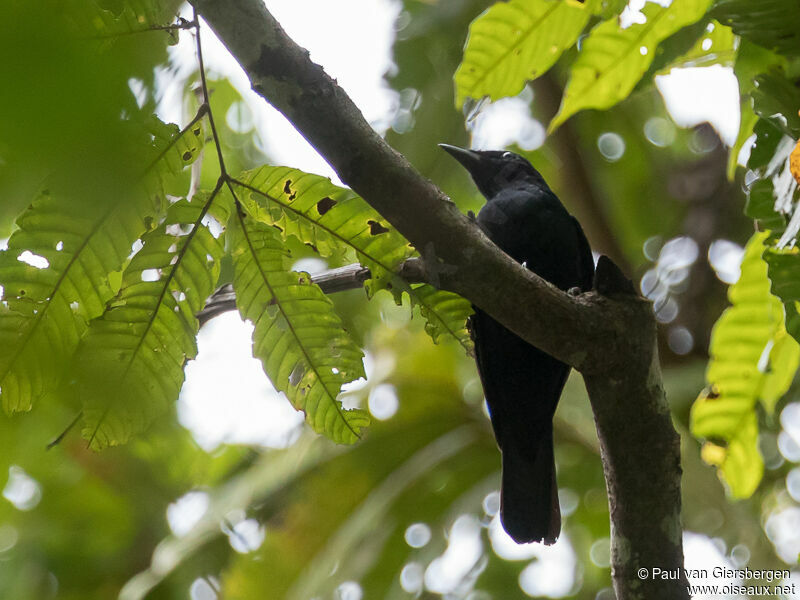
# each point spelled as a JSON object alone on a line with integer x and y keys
{"x": 459, "y": 256}
{"x": 609, "y": 338}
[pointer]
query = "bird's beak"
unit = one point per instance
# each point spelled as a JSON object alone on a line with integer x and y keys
{"x": 469, "y": 158}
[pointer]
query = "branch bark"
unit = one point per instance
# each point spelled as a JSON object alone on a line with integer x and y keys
{"x": 610, "y": 337}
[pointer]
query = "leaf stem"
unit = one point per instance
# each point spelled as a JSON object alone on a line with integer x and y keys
{"x": 206, "y": 99}
{"x": 181, "y": 24}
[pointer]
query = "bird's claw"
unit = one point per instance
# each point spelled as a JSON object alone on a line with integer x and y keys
{"x": 471, "y": 216}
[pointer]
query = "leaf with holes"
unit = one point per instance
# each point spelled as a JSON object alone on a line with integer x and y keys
{"x": 298, "y": 337}
{"x": 176, "y": 149}
{"x": 445, "y": 313}
{"x": 130, "y": 364}
{"x": 514, "y": 42}
{"x": 334, "y": 222}
{"x": 752, "y": 360}
{"x": 63, "y": 264}
{"x": 612, "y": 60}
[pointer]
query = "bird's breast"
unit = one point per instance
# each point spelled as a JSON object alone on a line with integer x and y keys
{"x": 539, "y": 233}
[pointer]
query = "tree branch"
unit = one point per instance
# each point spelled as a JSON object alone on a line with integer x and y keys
{"x": 458, "y": 255}
{"x": 611, "y": 339}
{"x": 349, "y": 277}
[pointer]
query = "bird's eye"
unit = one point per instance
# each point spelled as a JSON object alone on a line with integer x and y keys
{"x": 508, "y": 154}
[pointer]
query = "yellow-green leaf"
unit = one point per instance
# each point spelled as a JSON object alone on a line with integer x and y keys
{"x": 612, "y": 60}
{"x": 784, "y": 359}
{"x": 514, "y": 42}
{"x": 299, "y": 338}
{"x": 739, "y": 462}
{"x": 752, "y": 359}
{"x": 446, "y": 313}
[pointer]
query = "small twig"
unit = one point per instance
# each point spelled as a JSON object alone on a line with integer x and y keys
{"x": 180, "y": 25}
{"x": 207, "y": 102}
{"x": 349, "y": 277}
{"x": 64, "y": 433}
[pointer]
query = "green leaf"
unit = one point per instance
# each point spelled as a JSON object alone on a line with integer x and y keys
{"x": 671, "y": 51}
{"x": 768, "y": 136}
{"x": 298, "y": 337}
{"x": 762, "y": 202}
{"x": 777, "y": 99}
{"x": 784, "y": 273}
{"x": 514, "y": 42}
{"x": 176, "y": 149}
{"x": 445, "y": 314}
{"x": 773, "y": 24}
{"x": 784, "y": 359}
{"x": 752, "y": 359}
{"x": 612, "y": 59}
{"x": 50, "y": 303}
{"x": 117, "y": 17}
{"x": 130, "y": 364}
{"x": 717, "y": 46}
{"x": 746, "y": 127}
{"x": 606, "y": 9}
{"x": 739, "y": 461}
{"x": 751, "y": 61}
{"x": 335, "y": 222}
{"x": 761, "y": 206}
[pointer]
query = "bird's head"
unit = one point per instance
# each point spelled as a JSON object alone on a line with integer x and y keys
{"x": 493, "y": 170}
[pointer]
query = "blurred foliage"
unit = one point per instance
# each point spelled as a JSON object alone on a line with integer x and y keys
{"x": 332, "y": 521}
{"x": 129, "y": 365}
{"x": 515, "y": 42}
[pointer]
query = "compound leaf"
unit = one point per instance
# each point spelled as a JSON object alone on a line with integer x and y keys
{"x": 64, "y": 263}
{"x": 335, "y": 222}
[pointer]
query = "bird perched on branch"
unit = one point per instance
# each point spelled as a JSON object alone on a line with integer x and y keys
{"x": 521, "y": 383}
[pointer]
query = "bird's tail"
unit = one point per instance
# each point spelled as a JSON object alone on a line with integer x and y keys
{"x": 529, "y": 494}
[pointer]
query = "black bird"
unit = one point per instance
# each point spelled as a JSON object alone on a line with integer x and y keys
{"x": 521, "y": 383}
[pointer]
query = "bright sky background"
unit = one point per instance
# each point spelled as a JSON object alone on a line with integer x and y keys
{"x": 227, "y": 398}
